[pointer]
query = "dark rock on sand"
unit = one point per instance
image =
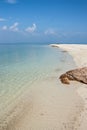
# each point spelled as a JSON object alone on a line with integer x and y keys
{"x": 64, "y": 51}
{"x": 79, "y": 74}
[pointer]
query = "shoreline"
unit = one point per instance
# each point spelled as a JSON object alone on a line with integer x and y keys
{"x": 48, "y": 104}
{"x": 78, "y": 52}
{"x": 50, "y": 109}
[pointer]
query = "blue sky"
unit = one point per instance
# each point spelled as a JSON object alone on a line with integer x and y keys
{"x": 63, "y": 21}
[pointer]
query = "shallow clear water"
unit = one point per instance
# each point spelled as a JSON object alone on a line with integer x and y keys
{"x": 23, "y": 65}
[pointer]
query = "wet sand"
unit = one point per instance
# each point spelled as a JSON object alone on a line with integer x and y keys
{"x": 49, "y": 109}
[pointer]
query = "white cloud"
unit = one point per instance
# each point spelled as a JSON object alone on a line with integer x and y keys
{"x": 11, "y": 1}
{"x": 2, "y": 19}
{"x": 31, "y": 29}
{"x": 50, "y": 31}
{"x": 4, "y": 27}
{"x": 14, "y": 27}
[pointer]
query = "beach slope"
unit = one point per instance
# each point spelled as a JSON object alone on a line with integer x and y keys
{"x": 79, "y": 53}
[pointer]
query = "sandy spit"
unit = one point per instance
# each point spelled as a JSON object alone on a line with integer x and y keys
{"x": 78, "y": 51}
{"x": 79, "y": 54}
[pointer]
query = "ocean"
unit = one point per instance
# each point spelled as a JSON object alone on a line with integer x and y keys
{"x": 21, "y": 67}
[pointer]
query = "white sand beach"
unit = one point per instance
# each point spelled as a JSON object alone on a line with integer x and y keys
{"x": 51, "y": 105}
{"x": 79, "y": 54}
{"x": 43, "y": 64}
{"x": 48, "y": 108}
{"x": 78, "y": 51}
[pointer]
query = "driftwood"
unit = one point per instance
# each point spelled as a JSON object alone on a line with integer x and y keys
{"x": 76, "y": 74}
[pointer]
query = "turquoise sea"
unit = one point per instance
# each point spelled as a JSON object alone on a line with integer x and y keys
{"x": 21, "y": 66}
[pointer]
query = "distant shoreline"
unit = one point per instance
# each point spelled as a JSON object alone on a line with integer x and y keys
{"x": 77, "y": 51}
